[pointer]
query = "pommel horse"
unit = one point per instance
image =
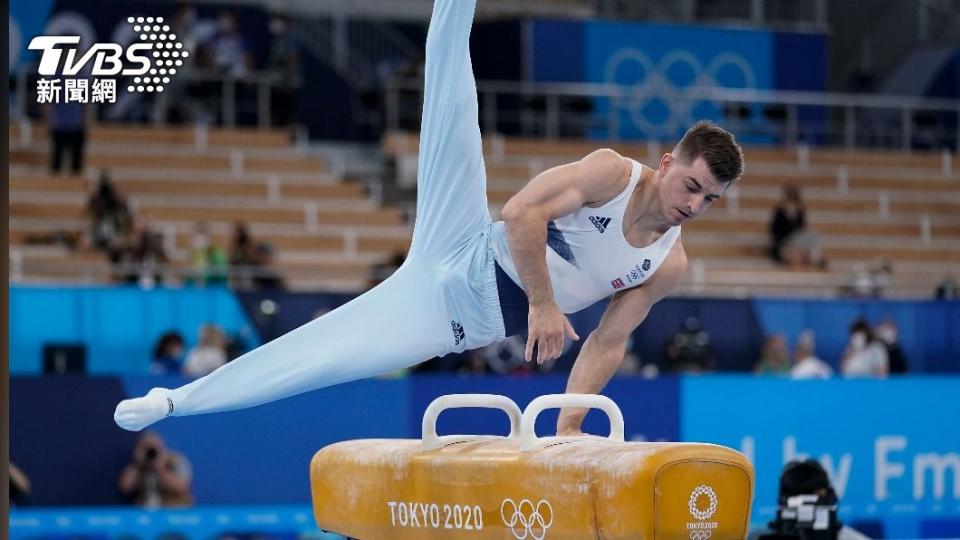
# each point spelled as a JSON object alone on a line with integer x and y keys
{"x": 525, "y": 487}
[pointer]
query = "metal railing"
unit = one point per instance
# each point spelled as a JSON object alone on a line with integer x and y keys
{"x": 611, "y": 111}
{"x": 356, "y": 49}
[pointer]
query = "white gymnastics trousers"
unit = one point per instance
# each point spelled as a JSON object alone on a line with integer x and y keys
{"x": 444, "y": 297}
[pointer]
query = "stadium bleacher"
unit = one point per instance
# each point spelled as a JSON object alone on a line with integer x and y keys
{"x": 866, "y": 206}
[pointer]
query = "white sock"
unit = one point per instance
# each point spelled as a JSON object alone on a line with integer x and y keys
{"x": 138, "y": 413}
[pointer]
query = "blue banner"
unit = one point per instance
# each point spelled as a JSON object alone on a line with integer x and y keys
{"x": 659, "y": 61}
{"x": 891, "y": 447}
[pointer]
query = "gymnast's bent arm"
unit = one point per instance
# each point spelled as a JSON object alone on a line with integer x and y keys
{"x": 595, "y": 179}
{"x": 605, "y": 347}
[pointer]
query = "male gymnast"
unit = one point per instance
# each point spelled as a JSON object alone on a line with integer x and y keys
{"x": 574, "y": 235}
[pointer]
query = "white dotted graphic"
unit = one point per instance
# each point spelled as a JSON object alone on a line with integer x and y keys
{"x": 167, "y": 51}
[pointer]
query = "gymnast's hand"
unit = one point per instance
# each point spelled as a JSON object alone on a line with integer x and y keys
{"x": 547, "y": 326}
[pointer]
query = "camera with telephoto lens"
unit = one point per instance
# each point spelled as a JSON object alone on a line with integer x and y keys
{"x": 151, "y": 454}
{"x": 807, "y": 507}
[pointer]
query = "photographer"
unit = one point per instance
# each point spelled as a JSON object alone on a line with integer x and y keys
{"x": 807, "y": 508}
{"x": 157, "y": 477}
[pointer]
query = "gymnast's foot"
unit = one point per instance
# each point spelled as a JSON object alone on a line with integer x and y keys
{"x": 138, "y": 413}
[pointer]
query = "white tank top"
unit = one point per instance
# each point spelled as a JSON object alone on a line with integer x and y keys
{"x": 588, "y": 257}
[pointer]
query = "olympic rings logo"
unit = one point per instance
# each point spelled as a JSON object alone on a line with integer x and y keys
{"x": 700, "y": 535}
{"x": 658, "y": 84}
{"x": 694, "y": 508}
{"x": 525, "y": 519}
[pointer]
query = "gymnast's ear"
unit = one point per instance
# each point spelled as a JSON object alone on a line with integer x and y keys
{"x": 666, "y": 161}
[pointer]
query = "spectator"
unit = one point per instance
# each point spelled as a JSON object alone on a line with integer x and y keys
{"x": 689, "y": 350}
{"x": 283, "y": 63}
{"x": 792, "y": 243}
{"x": 20, "y": 487}
{"x": 149, "y": 253}
{"x": 265, "y": 277}
{"x": 210, "y": 265}
{"x": 231, "y": 55}
{"x": 68, "y": 133}
{"x": 774, "y": 357}
{"x": 167, "y": 354}
{"x": 157, "y": 477}
{"x": 184, "y": 25}
{"x": 887, "y": 333}
{"x": 110, "y": 218}
{"x": 242, "y": 250}
{"x": 244, "y": 257}
{"x": 881, "y": 273}
{"x": 806, "y": 363}
{"x": 947, "y": 289}
{"x": 865, "y": 356}
{"x": 209, "y": 354}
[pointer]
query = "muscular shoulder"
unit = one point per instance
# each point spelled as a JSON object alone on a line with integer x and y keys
{"x": 605, "y": 173}
{"x": 676, "y": 260}
{"x": 670, "y": 272}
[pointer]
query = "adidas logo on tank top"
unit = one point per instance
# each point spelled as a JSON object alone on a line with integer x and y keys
{"x": 600, "y": 223}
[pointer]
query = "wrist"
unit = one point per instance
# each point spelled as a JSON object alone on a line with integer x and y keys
{"x": 569, "y": 424}
{"x": 541, "y": 303}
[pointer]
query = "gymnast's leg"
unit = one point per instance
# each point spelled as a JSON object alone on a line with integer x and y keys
{"x": 404, "y": 320}
{"x": 395, "y": 325}
{"x": 451, "y": 177}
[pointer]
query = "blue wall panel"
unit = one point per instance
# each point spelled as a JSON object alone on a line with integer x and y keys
{"x": 556, "y": 51}
{"x": 887, "y": 443}
{"x": 929, "y": 331}
{"x": 63, "y": 437}
{"x": 262, "y": 455}
{"x": 119, "y": 325}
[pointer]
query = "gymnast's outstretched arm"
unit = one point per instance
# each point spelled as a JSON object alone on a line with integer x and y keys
{"x": 603, "y": 351}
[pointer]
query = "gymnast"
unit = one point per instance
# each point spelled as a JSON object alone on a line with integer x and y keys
{"x": 574, "y": 235}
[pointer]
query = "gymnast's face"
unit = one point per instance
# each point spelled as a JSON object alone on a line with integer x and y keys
{"x": 686, "y": 189}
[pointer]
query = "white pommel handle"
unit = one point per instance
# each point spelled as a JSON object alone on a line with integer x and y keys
{"x": 430, "y": 440}
{"x": 528, "y": 422}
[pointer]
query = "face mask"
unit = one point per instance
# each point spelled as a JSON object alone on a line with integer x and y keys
{"x": 888, "y": 334}
{"x": 858, "y": 340}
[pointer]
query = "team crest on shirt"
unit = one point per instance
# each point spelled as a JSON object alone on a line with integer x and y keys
{"x": 617, "y": 283}
{"x": 639, "y": 272}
